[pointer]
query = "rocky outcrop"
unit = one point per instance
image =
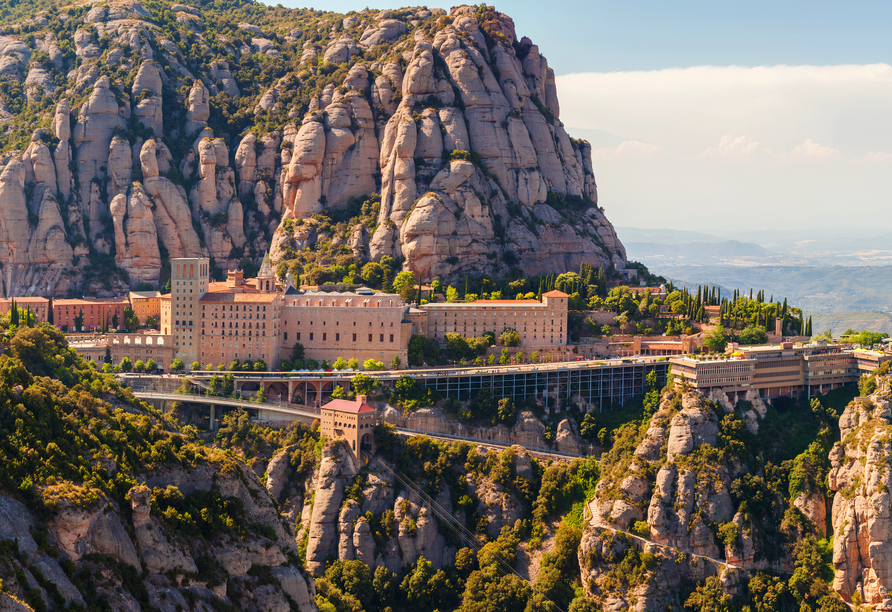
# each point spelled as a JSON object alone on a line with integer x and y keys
{"x": 337, "y": 464}
{"x": 449, "y": 119}
{"x": 136, "y": 239}
{"x": 862, "y": 506}
{"x": 81, "y": 531}
{"x": 658, "y": 589}
{"x": 678, "y": 484}
{"x": 155, "y": 551}
{"x": 528, "y": 431}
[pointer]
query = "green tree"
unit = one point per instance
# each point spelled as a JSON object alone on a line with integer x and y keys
{"x": 353, "y": 364}
{"x": 297, "y": 353}
{"x": 753, "y": 334}
{"x": 177, "y": 364}
{"x": 78, "y": 321}
{"x": 403, "y": 279}
{"x": 195, "y": 366}
{"x": 510, "y": 337}
{"x": 716, "y": 340}
{"x": 451, "y": 294}
{"x": 339, "y": 364}
{"x": 151, "y": 366}
{"x": 126, "y": 364}
{"x": 260, "y": 366}
{"x": 139, "y": 366}
{"x": 395, "y": 363}
{"x": 507, "y": 412}
{"x": 131, "y": 321}
{"x": 363, "y": 384}
{"x": 372, "y": 274}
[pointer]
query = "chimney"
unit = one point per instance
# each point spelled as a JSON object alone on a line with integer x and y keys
{"x": 361, "y": 399}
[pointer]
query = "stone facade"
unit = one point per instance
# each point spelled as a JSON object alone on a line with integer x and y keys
{"x": 146, "y": 304}
{"x": 98, "y": 313}
{"x": 189, "y": 282}
{"x": 347, "y": 325}
{"x": 539, "y": 324}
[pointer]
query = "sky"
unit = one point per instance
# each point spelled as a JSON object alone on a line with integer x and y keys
{"x": 718, "y": 116}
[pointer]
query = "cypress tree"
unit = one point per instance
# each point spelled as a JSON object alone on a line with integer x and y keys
{"x": 14, "y": 314}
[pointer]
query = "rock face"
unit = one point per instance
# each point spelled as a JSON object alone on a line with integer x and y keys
{"x": 339, "y": 528}
{"x": 528, "y": 431}
{"x": 450, "y": 120}
{"x": 862, "y": 507}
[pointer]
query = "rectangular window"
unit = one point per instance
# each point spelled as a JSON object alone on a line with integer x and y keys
{"x": 286, "y": 335}
{"x": 370, "y": 337}
{"x": 391, "y": 337}
{"x": 337, "y": 337}
{"x": 324, "y": 337}
{"x": 311, "y": 336}
{"x": 382, "y": 338}
{"x": 354, "y": 337}
{"x": 298, "y": 336}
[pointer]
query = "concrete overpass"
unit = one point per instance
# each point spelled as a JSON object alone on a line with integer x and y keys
{"x": 308, "y": 415}
{"x": 597, "y": 383}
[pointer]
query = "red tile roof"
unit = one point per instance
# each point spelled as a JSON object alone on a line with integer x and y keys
{"x": 555, "y": 294}
{"x": 340, "y": 405}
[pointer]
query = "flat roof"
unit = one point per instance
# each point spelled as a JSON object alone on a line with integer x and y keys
{"x": 145, "y": 294}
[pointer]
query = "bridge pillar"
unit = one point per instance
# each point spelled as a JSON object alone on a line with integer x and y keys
{"x": 212, "y": 417}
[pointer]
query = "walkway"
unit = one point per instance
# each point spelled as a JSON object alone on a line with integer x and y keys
{"x": 643, "y": 541}
{"x": 309, "y": 414}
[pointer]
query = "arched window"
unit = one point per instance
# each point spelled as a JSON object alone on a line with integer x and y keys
{"x": 191, "y": 270}
{"x": 178, "y": 269}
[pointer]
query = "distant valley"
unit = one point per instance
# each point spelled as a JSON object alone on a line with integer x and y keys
{"x": 842, "y": 281}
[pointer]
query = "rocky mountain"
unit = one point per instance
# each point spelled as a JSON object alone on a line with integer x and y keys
{"x": 134, "y": 133}
{"x": 861, "y": 508}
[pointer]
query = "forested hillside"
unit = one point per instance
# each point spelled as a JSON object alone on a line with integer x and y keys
{"x": 106, "y": 504}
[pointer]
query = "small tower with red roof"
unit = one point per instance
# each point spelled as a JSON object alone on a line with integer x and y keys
{"x": 352, "y": 421}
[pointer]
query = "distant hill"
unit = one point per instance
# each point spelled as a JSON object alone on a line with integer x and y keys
{"x": 873, "y": 320}
{"x": 815, "y": 289}
{"x": 699, "y": 251}
{"x": 664, "y": 236}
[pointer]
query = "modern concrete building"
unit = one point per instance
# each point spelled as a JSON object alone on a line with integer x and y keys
{"x": 777, "y": 370}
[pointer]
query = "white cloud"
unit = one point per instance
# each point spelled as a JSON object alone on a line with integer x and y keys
{"x": 730, "y": 148}
{"x": 629, "y": 149}
{"x": 787, "y": 144}
{"x": 810, "y": 150}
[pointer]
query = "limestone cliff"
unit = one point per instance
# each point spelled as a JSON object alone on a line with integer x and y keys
{"x": 228, "y": 145}
{"x": 862, "y": 507}
{"x": 676, "y": 487}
